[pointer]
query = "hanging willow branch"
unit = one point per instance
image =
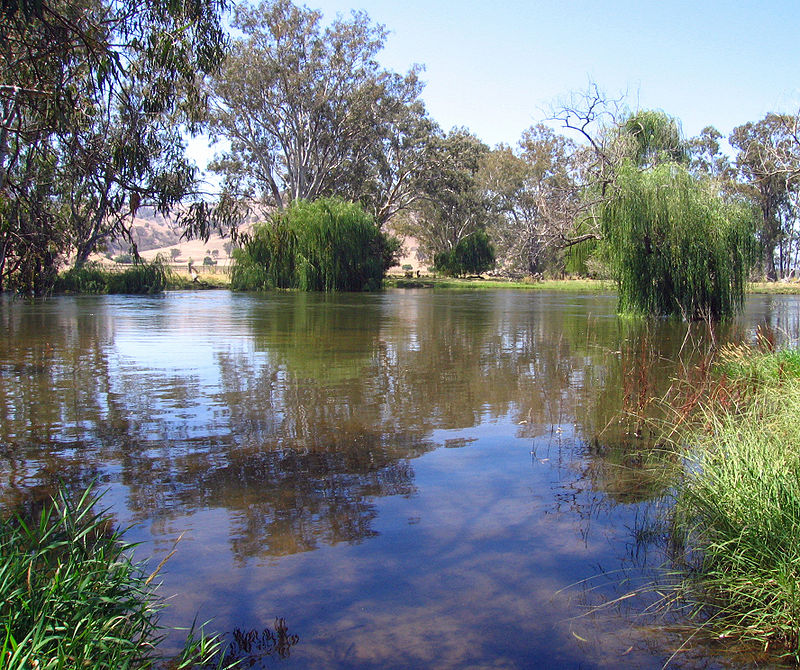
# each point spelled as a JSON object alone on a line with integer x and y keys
{"x": 674, "y": 246}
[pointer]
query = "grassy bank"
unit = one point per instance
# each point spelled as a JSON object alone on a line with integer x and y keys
{"x": 774, "y": 288}
{"x": 140, "y": 279}
{"x": 70, "y": 596}
{"x": 144, "y": 278}
{"x": 738, "y": 507}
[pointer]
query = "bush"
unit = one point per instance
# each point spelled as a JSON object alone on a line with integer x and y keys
{"x": 326, "y": 245}
{"x": 91, "y": 279}
{"x": 474, "y": 254}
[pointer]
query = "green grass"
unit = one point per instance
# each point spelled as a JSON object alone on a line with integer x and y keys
{"x": 738, "y": 507}
{"x": 143, "y": 278}
{"x": 70, "y": 596}
{"x": 775, "y": 288}
{"x": 181, "y": 280}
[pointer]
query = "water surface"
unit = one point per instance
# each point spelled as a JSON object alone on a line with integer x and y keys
{"x": 407, "y": 479}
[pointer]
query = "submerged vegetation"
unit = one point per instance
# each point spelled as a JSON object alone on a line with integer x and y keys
{"x": 738, "y": 507}
{"x": 71, "y": 597}
{"x": 325, "y": 245}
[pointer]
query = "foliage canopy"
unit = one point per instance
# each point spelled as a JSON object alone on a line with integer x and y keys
{"x": 309, "y": 112}
{"x": 675, "y": 247}
{"x": 325, "y": 245}
{"x": 94, "y": 97}
{"x": 473, "y": 254}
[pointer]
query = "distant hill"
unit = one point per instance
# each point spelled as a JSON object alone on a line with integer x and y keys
{"x": 150, "y": 231}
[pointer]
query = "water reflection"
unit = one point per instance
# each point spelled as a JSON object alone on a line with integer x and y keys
{"x": 286, "y": 427}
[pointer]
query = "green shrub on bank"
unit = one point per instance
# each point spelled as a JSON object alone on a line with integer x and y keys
{"x": 738, "y": 507}
{"x": 473, "y": 255}
{"x": 142, "y": 278}
{"x": 325, "y": 245}
{"x": 70, "y": 596}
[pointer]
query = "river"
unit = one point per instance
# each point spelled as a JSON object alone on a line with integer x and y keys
{"x": 405, "y": 479}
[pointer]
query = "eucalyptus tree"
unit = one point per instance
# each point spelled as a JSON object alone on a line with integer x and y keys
{"x": 453, "y": 203}
{"x": 308, "y": 112}
{"x": 92, "y": 94}
{"x": 706, "y": 159}
{"x": 535, "y": 195}
{"x": 768, "y": 159}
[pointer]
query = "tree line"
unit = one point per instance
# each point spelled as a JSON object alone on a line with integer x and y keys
{"x": 97, "y": 96}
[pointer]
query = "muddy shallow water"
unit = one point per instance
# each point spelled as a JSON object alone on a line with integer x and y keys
{"x": 405, "y": 479}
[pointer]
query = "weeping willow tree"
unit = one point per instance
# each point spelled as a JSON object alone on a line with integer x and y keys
{"x": 675, "y": 247}
{"x": 325, "y": 245}
{"x": 652, "y": 137}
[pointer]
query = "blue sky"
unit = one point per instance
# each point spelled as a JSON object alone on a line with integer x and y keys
{"x": 497, "y": 68}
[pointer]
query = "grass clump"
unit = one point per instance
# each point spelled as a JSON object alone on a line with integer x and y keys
{"x": 70, "y": 596}
{"x": 142, "y": 278}
{"x": 738, "y": 507}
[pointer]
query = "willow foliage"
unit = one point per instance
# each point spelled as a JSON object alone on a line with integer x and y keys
{"x": 651, "y": 137}
{"x": 676, "y": 248}
{"x": 325, "y": 245}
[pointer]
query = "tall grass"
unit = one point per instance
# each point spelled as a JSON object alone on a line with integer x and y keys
{"x": 142, "y": 278}
{"x": 70, "y": 596}
{"x": 738, "y": 507}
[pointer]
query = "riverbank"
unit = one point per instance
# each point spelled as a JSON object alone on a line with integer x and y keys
{"x": 572, "y": 285}
{"x": 110, "y": 279}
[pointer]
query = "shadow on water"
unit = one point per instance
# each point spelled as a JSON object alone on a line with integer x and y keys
{"x": 296, "y": 436}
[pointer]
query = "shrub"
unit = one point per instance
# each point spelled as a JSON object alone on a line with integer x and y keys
{"x": 473, "y": 254}
{"x": 91, "y": 279}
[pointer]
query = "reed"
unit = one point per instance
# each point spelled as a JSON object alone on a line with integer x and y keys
{"x": 738, "y": 507}
{"x": 71, "y": 597}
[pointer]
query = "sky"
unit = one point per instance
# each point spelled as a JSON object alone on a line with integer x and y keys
{"x": 498, "y": 68}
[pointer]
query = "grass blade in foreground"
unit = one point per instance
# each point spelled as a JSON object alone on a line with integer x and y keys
{"x": 71, "y": 597}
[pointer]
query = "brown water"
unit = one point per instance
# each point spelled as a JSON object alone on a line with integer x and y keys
{"x": 409, "y": 479}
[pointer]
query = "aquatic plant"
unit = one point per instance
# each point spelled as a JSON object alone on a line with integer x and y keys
{"x": 71, "y": 597}
{"x": 738, "y": 507}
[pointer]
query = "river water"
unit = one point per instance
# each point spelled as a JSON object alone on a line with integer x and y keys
{"x": 391, "y": 480}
